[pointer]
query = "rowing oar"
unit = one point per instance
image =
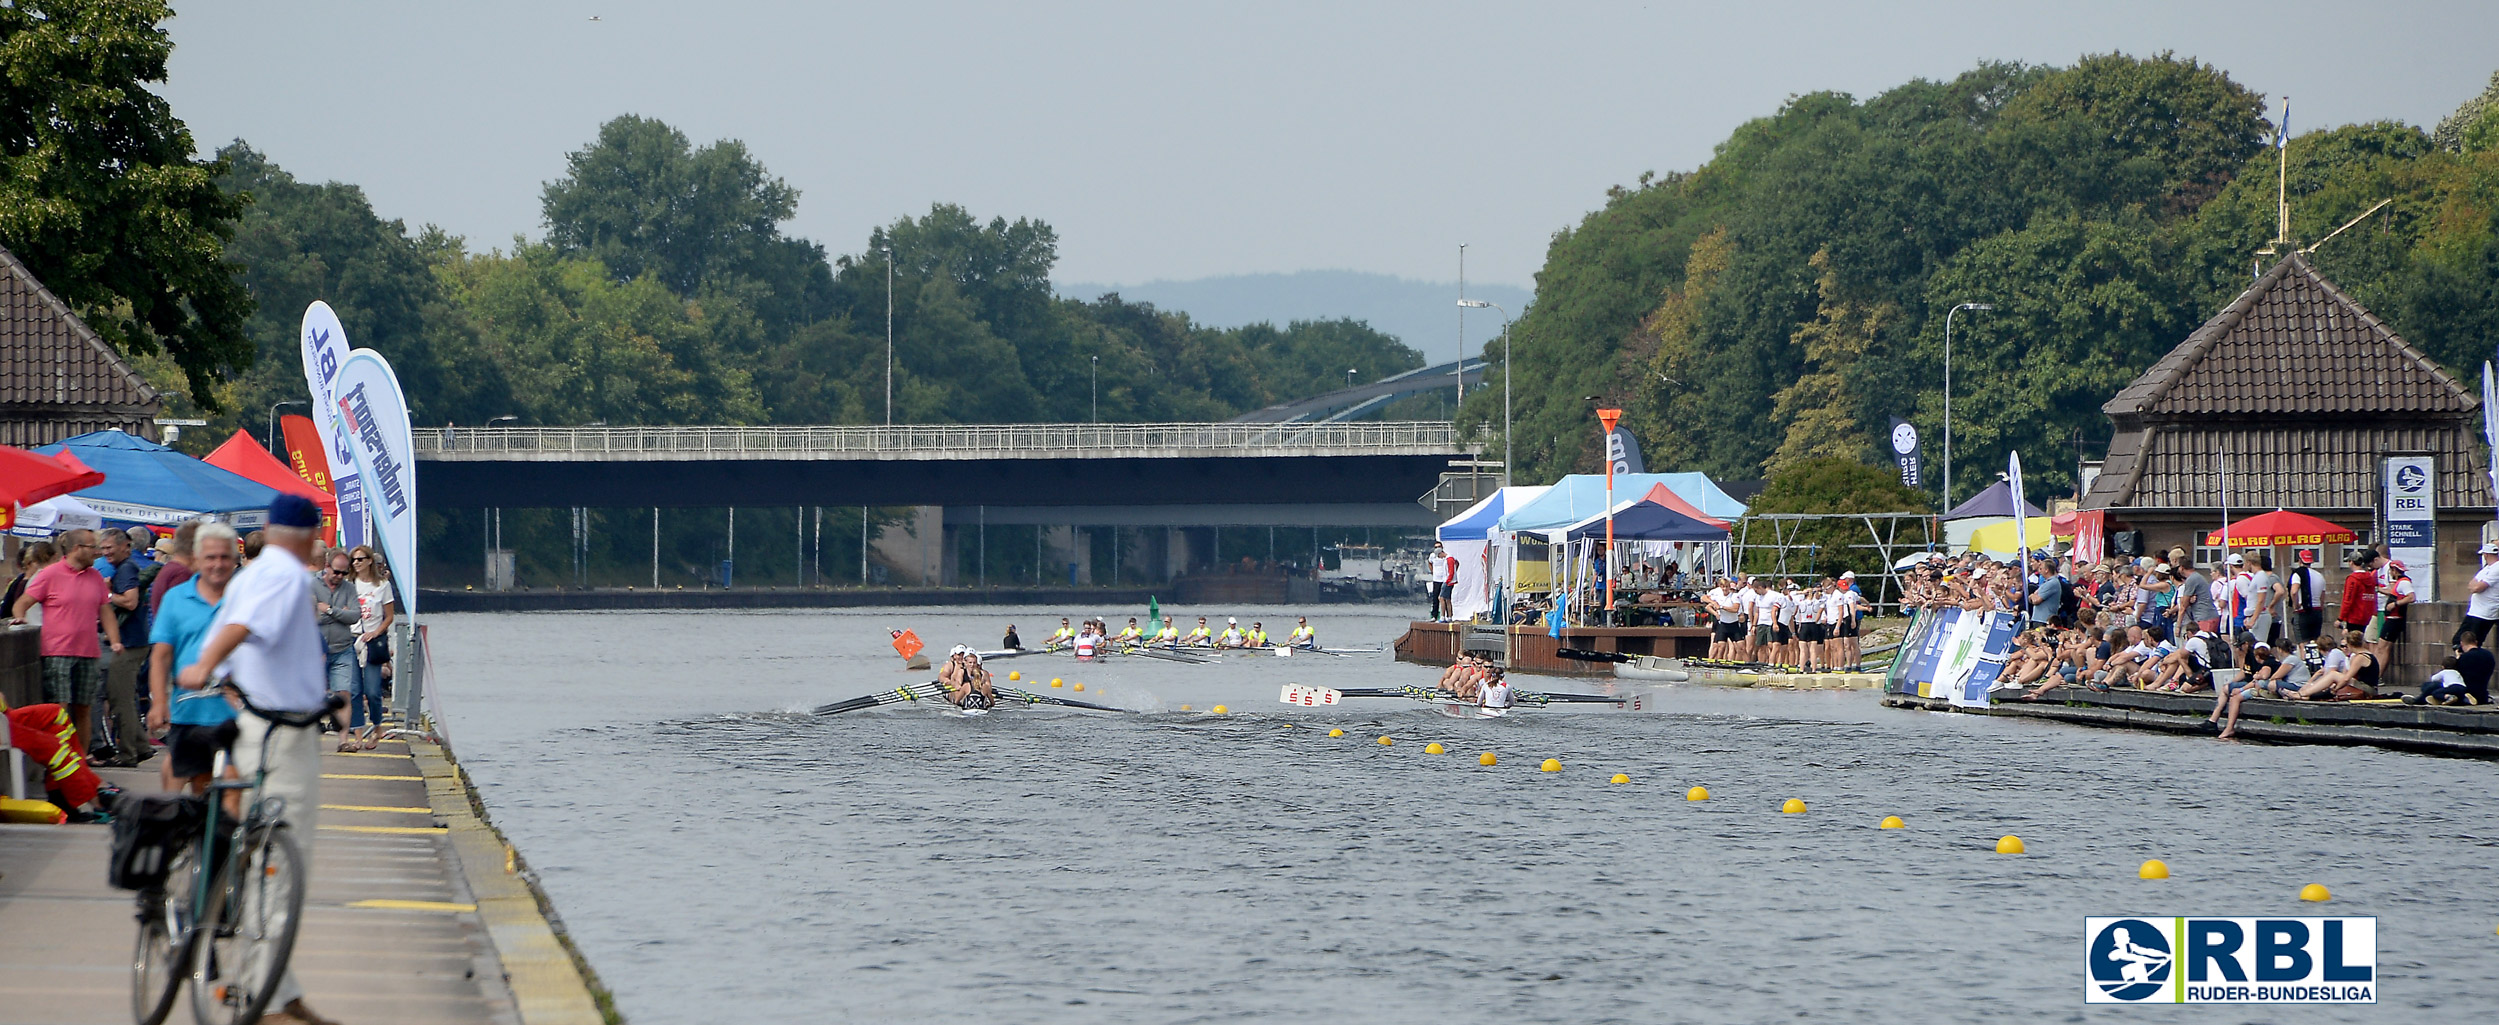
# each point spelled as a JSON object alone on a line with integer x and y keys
{"x": 1585, "y": 655}
{"x": 1031, "y": 698}
{"x": 1541, "y": 698}
{"x": 1168, "y": 656}
{"x": 911, "y": 692}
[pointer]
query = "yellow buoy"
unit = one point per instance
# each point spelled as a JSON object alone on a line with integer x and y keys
{"x": 1336, "y": 733}
{"x": 1621, "y": 778}
{"x": 1076, "y": 686}
{"x": 1055, "y": 684}
{"x": 1433, "y": 749}
{"x": 1221, "y": 710}
{"x": 1014, "y": 675}
{"x": 2153, "y": 869}
{"x": 1696, "y": 794}
{"x": 1184, "y": 708}
{"x": 1550, "y": 765}
{"x": 2315, "y": 892}
{"x": 2009, "y": 845}
{"x": 1385, "y": 741}
{"x": 1892, "y": 822}
{"x": 1794, "y": 806}
{"x": 1487, "y": 759}
{"x": 1054, "y": 681}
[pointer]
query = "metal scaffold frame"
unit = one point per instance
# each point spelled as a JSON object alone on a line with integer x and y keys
{"x": 1882, "y": 530}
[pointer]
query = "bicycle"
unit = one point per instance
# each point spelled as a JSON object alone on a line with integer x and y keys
{"x": 247, "y": 879}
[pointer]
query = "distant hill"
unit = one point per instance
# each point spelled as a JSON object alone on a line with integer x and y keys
{"x": 1423, "y": 314}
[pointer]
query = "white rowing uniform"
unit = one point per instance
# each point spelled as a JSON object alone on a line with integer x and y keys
{"x": 1086, "y": 644}
{"x": 1496, "y": 695}
{"x": 1170, "y": 634}
{"x": 1231, "y": 637}
{"x": 1305, "y": 637}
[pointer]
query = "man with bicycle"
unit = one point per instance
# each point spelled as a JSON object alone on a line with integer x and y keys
{"x": 267, "y": 642}
{"x": 191, "y": 717}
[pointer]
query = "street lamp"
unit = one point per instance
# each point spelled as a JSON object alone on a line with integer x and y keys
{"x": 1478, "y": 304}
{"x": 274, "y": 447}
{"x": 1349, "y": 376}
{"x": 1948, "y": 396}
{"x": 1458, "y": 369}
{"x": 1097, "y": 389}
{"x": 888, "y": 333}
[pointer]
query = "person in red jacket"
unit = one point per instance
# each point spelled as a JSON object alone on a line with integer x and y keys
{"x": 2360, "y": 591}
{"x": 44, "y": 733}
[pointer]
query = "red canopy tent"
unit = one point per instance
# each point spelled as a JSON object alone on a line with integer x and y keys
{"x": 244, "y": 457}
{"x": 27, "y": 478}
{"x": 2280, "y": 528}
{"x": 1665, "y": 496}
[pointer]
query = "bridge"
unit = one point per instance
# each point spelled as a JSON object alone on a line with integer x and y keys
{"x": 1196, "y": 473}
{"x": 1349, "y": 403}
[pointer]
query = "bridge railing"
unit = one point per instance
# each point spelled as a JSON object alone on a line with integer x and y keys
{"x": 934, "y": 440}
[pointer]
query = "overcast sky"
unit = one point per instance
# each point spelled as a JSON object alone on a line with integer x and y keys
{"x": 1180, "y": 140}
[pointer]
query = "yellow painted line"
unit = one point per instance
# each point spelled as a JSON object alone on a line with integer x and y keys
{"x": 388, "y": 829}
{"x": 411, "y": 905}
{"x": 376, "y": 807}
{"x": 364, "y": 754}
{"x": 341, "y": 775}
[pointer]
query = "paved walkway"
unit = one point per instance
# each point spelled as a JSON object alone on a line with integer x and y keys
{"x": 393, "y": 930}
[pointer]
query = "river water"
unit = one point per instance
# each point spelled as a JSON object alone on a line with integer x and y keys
{"x": 721, "y": 856}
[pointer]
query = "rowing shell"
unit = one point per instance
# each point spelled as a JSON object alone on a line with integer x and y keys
{"x": 1442, "y": 701}
{"x": 935, "y": 693}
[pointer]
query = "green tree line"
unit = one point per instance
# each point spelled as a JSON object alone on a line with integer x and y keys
{"x": 1780, "y": 303}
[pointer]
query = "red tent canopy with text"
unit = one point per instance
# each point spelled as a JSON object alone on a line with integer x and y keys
{"x": 244, "y": 457}
{"x": 2267, "y": 530}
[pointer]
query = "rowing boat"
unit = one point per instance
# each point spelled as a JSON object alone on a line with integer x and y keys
{"x": 935, "y": 693}
{"x": 1444, "y": 702}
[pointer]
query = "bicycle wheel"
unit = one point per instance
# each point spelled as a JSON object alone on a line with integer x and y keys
{"x": 162, "y": 954}
{"x": 240, "y": 948}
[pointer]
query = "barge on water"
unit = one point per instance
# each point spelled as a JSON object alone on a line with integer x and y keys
{"x": 1531, "y": 647}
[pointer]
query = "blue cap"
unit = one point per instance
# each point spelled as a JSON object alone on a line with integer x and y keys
{"x": 294, "y": 511}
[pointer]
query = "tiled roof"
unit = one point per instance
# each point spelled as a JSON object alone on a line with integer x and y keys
{"x": 2292, "y": 345}
{"x": 57, "y": 377}
{"x": 2322, "y": 465}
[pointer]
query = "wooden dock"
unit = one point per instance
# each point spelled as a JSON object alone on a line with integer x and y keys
{"x": 1531, "y": 648}
{"x": 2431, "y": 729}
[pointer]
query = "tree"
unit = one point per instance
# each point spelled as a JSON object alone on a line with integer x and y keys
{"x": 99, "y": 194}
{"x": 1820, "y": 410}
{"x": 642, "y": 200}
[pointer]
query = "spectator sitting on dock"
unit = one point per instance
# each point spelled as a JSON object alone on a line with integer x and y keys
{"x": 2358, "y": 677}
{"x": 2476, "y": 663}
{"x": 2143, "y": 662}
{"x": 2190, "y": 667}
{"x": 2444, "y": 687}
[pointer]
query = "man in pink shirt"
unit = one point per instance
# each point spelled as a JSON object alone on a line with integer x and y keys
{"x": 73, "y": 596}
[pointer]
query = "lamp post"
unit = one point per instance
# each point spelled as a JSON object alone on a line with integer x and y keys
{"x": 1349, "y": 376}
{"x": 1948, "y": 395}
{"x": 1097, "y": 389}
{"x": 888, "y": 333}
{"x": 274, "y": 448}
{"x": 1458, "y": 370}
{"x": 1505, "y": 381}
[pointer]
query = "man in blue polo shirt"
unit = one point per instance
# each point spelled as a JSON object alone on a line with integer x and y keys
{"x": 191, "y": 717}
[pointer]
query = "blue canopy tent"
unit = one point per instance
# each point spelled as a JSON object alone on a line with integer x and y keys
{"x": 1645, "y": 521}
{"x": 1996, "y": 501}
{"x": 1478, "y": 521}
{"x": 147, "y": 483}
{"x": 1581, "y": 495}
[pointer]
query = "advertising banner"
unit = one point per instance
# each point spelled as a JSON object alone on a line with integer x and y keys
{"x": 1905, "y": 453}
{"x": 302, "y": 443}
{"x": 1622, "y": 451}
{"x": 1994, "y": 644}
{"x": 325, "y": 353}
{"x": 2411, "y": 510}
{"x": 374, "y": 414}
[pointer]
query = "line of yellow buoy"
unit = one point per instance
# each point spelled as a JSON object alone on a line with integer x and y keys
{"x": 2007, "y": 844}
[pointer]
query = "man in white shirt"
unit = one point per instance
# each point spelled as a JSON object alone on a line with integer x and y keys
{"x": 1726, "y": 624}
{"x": 1758, "y": 633}
{"x": 1779, "y": 611}
{"x": 2481, "y": 607}
{"x": 269, "y": 647}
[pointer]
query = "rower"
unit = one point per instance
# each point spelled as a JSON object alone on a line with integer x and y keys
{"x": 1231, "y": 636}
{"x": 1133, "y": 635}
{"x": 1199, "y": 637}
{"x": 1012, "y": 642}
{"x": 1170, "y": 635}
{"x": 1089, "y": 642}
{"x": 1303, "y": 636}
{"x": 1496, "y": 690}
{"x": 1061, "y": 637}
{"x": 1256, "y": 637}
{"x": 1462, "y": 677}
{"x": 966, "y": 683}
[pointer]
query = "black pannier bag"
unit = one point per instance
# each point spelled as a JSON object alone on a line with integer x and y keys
{"x": 147, "y": 832}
